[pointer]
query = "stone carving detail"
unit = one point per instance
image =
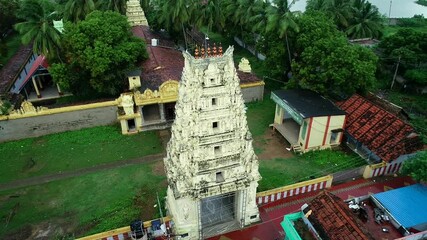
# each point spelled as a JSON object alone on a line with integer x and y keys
{"x": 127, "y": 103}
{"x": 245, "y": 66}
{"x": 169, "y": 89}
{"x": 208, "y": 139}
{"x": 27, "y": 108}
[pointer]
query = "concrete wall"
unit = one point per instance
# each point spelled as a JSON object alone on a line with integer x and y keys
{"x": 320, "y": 132}
{"x": 294, "y": 189}
{"x": 251, "y": 94}
{"x": 39, "y": 125}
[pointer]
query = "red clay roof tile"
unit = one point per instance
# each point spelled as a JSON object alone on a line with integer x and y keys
{"x": 10, "y": 70}
{"x": 382, "y": 132}
{"x": 335, "y": 219}
{"x": 165, "y": 62}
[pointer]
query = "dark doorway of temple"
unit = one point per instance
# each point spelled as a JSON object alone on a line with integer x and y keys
{"x": 217, "y": 209}
{"x": 170, "y": 111}
{"x": 131, "y": 125}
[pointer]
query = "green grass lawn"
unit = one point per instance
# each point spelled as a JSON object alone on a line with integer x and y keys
{"x": 281, "y": 172}
{"x": 13, "y": 42}
{"x": 259, "y": 115}
{"x": 87, "y": 204}
{"x": 73, "y": 150}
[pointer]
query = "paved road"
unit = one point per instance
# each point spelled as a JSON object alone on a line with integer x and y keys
{"x": 79, "y": 172}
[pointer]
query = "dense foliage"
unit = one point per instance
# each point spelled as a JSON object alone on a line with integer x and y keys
{"x": 37, "y": 26}
{"x": 357, "y": 18}
{"x": 8, "y": 10}
{"x": 327, "y": 62}
{"x": 417, "y": 167}
{"x": 98, "y": 52}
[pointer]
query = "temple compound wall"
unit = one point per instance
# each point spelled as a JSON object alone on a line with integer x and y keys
{"x": 30, "y": 121}
{"x": 211, "y": 166}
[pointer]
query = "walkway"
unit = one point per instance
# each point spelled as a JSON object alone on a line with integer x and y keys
{"x": 272, "y": 214}
{"x": 78, "y": 172}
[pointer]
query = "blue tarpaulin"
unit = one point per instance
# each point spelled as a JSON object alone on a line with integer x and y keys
{"x": 408, "y": 205}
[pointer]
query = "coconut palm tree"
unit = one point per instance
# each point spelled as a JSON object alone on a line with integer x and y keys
{"x": 38, "y": 26}
{"x": 76, "y": 10}
{"x": 113, "y": 5}
{"x": 210, "y": 14}
{"x": 174, "y": 14}
{"x": 339, "y": 10}
{"x": 366, "y": 21}
{"x": 281, "y": 19}
{"x": 259, "y": 19}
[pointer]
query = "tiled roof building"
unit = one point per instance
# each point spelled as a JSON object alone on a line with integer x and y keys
{"x": 166, "y": 63}
{"x": 383, "y": 133}
{"x": 333, "y": 220}
{"x": 11, "y": 70}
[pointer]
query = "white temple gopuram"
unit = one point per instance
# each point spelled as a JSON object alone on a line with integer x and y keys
{"x": 211, "y": 167}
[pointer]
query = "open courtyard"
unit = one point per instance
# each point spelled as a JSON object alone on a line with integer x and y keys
{"x": 96, "y": 179}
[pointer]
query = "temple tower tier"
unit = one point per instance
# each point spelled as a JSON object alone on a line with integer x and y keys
{"x": 211, "y": 167}
{"x": 135, "y": 14}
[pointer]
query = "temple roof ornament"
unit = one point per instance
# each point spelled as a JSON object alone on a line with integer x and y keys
{"x": 245, "y": 66}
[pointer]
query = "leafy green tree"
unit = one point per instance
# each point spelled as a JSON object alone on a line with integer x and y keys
{"x": 417, "y": 76}
{"x": 365, "y": 21}
{"x": 407, "y": 43}
{"x": 326, "y": 62}
{"x": 77, "y": 10}
{"x": 99, "y": 51}
{"x": 417, "y": 167}
{"x": 38, "y": 27}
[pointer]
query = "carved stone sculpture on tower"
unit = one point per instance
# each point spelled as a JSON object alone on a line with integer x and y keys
{"x": 211, "y": 167}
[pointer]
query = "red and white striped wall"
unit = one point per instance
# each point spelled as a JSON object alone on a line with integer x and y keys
{"x": 293, "y": 190}
{"x": 120, "y": 236}
{"x": 390, "y": 168}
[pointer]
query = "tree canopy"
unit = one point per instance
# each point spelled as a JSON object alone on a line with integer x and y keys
{"x": 417, "y": 167}
{"x": 38, "y": 27}
{"x": 98, "y": 52}
{"x": 357, "y": 18}
{"x": 406, "y": 43}
{"x": 327, "y": 62}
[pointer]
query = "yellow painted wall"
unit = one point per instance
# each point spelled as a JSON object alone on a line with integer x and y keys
{"x": 337, "y": 122}
{"x": 317, "y": 132}
{"x": 318, "y": 129}
{"x": 278, "y": 116}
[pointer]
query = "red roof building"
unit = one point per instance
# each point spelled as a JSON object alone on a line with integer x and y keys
{"x": 378, "y": 134}
{"x": 165, "y": 62}
{"x": 333, "y": 220}
{"x": 16, "y": 68}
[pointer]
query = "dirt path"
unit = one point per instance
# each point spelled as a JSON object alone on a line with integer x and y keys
{"x": 79, "y": 172}
{"x": 272, "y": 145}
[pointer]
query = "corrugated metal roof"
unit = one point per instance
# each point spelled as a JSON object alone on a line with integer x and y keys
{"x": 408, "y": 205}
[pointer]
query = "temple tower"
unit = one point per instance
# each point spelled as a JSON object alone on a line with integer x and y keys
{"x": 135, "y": 14}
{"x": 211, "y": 167}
